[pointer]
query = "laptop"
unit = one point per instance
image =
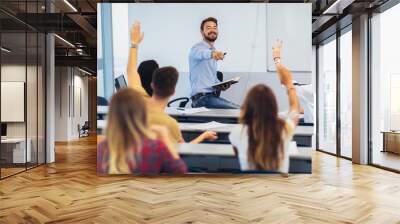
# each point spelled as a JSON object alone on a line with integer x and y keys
{"x": 120, "y": 82}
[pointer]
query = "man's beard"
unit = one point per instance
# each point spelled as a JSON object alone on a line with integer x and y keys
{"x": 211, "y": 39}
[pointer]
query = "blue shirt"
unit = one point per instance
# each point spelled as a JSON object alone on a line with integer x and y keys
{"x": 202, "y": 68}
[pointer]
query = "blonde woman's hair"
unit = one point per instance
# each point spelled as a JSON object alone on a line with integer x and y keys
{"x": 126, "y": 127}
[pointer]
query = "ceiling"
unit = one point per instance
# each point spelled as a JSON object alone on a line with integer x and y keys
{"x": 77, "y": 25}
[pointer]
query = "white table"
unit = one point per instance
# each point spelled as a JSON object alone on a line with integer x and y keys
{"x": 220, "y": 115}
{"x": 227, "y": 150}
{"x": 211, "y": 158}
{"x": 205, "y": 149}
{"x": 173, "y": 111}
{"x": 18, "y": 154}
{"x": 224, "y": 113}
{"x": 191, "y": 127}
{"x": 227, "y": 128}
{"x": 303, "y": 134}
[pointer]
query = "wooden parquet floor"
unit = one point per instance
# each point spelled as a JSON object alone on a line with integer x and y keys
{"x": 69, "y": 191}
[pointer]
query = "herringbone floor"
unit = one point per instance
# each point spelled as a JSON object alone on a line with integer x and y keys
{"x": 69, "y": 191}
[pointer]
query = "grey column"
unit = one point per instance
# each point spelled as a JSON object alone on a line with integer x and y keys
{"x": 360, "y": 90}
{"x": 50, "y": 99}
{"x": 50, "y": 93}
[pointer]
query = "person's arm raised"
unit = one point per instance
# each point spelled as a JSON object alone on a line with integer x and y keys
{"x": 136, "y": 36}
{"x": 285, "y": 77}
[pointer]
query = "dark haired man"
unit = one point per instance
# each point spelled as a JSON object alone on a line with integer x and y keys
{"x": 203, "y": 59}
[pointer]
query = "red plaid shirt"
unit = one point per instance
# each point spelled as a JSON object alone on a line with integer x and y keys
{"x": 153, "y": 158}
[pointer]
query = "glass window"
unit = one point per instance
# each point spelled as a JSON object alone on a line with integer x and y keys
{"x": 15, "y": 150}
{"x": 41, "y": 79}
{"x": 385, "y": 89}
{"x": 346, "y": 94}
{"x": 327, "y": 97}
{"x": 32, "y": 97}
{"x": 22, "y": 91}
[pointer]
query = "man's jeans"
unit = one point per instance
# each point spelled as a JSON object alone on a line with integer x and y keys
{"x": 215, "y": 102}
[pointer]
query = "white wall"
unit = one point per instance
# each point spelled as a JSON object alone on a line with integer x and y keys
{"x": 61, "y": 103}
{"x": 170, "y": 35}
{"x": 291, "y": 24}
{"x": 81, "y": 104}
{"x": 33, "y": 126}
{"x": 71, "y": 94}
{"x": 243, "y": 34}
{"x": 12, "y": 73}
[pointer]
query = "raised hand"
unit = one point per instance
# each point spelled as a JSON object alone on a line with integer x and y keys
{"x": 136, "y": 34}
{"x": 285, "y": 77}
{"x": 276, "y": 49}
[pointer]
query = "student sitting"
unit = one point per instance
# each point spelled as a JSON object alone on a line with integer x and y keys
{"x": 130, "y": 145}
{"x": 146, "y": 70}
{"x": 163, "y": 84}
{"x": 262, "y": 141}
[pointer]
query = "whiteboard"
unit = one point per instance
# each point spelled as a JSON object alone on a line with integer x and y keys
{"x": 246, "y": 32}
{"x": 171, "y": 29}
{"x": 12, "y": 101}
{"x": 290, "y": 23}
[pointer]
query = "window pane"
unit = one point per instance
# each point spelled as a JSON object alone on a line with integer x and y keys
{"x": 22, "y": 83}
{"x": 327, "y": 97}
{"x": 14, "y": 153}
{"x": 346, "y": 94}
{"x": 386, "y": 89}
{"x": 31, "y": 97}
{"x": 41, "y": 98}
